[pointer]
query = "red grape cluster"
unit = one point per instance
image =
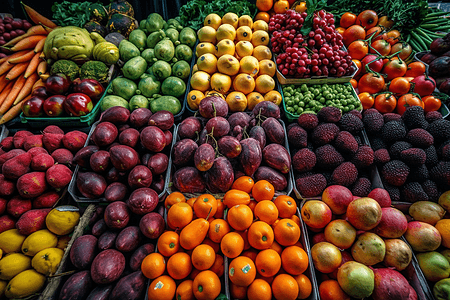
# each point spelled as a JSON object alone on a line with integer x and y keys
{"x": 11, "y": 28}
{"x": 316, "y": 54}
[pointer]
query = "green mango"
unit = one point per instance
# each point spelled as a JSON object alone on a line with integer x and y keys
{"x": 183, "y": 52}
{"x": 149, "y": 86}
{"x": 143, "y": 25}
{"x": 154, "y": 38}
{"x": 181, "y": 69}
{"x": 154, "y": 22}
{"x": 138, "y": 101}
{"x": 165, "y": 50}
{"x": 138, "y": 38}
{"x": 173, "y": 86}
{"x": 123, "y": 87}
{"x": 161, "y": 70}
{"x": 134, "y": 68}
{"x": 111, "y": 101}
{"x": 168, "y": 103}
{"x": 175, "y": 24}
{"x": 188, "y": 36}
{"x": 173, "y": 35}
{"x": 128, "y": 50}
{"x": 149, "y": 56}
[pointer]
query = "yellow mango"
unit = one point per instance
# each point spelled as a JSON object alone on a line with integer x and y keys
{"x": 12, "y": 264}
{"x": 37, "y": 241}
{"x": 47, "y": 261}
{"x": 62, "y": 220}
{"x": 11, "y": 241}
{"x": 25, "y": 284}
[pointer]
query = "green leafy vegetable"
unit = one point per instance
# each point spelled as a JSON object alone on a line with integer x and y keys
{"x": 193, "y": 13}
{"x": 312, "y": 5}
{"x": 71, "y": 14}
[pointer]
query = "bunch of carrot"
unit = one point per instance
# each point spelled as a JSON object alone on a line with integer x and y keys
{"x": 25, "y": 69}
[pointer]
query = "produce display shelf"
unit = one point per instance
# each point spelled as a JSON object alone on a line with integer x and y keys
{"x": 314, "y": 79}
{"x": 412, "y": 273}
{"x": 3, "y": 132}
{"x": 293, "y": 117}
{"x": 73, "y": 190}
{"x": 172, "y": 169}
{"x": 87, "y": 120}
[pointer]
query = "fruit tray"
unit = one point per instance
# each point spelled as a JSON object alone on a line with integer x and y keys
{"x": 3, "y": 132}
{"x": 287, "y": 191}
{"x": 314, "y": 79}
{"x": 293, "y": 117}
{"x": 81, "y": 121}
{"x": 412, "y": 273}
{"x": 53, "y": 285}
{"x": 73, "y": 190}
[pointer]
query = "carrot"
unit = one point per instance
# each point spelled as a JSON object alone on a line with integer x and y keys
{"x": 6, "y": 91}
{"x": 32, "y": 66}
{"x": 14, "y": 55}
{"x": 42, "y": 67}
{"x": 13, "y": 111}
{"x": 26, "y": 57}
{"x": 34, "y": 30}
{"x": 37, "y": 84}
{"x": 28, "y": 43}
{"x": 17, "y": 70}
{"x": 27, "y": 88}
{"x": 5, "y": 67}
{"x": 39, "y": 46}
{"x": 3, "y": 82}
{"x": 9, "y": 100}
{"x": 36, "y": 17}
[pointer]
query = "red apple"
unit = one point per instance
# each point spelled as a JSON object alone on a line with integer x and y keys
{"x": 78, "y": 104}
{"x": 33, "y": 107}
{"x": 57, "y": 84}
{"x": 53, "y": 106}
{"x": 89, "y": 87}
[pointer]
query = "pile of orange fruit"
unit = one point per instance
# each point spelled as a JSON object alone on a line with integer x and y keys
{"x": 255, "y": 231}
{"x": 267, "y": 8}
{"x": 233, "y": 62}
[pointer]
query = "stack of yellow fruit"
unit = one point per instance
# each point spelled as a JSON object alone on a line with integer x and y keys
{"x": 233, "y": 62}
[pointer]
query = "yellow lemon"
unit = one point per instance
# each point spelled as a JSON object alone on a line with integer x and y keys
{"x": 200, "y": 80}
{"x": 63, "y": 241}
{"x": 203, "y": 48}
{"x": 260, "y": 25}
{"x": 47, "y": 261}
{"x": 230, "y": 18}
{"x": 3, "y": 285}
{"x": 249, "y": 65}
{"x": 262, "y": 52}
{"x": 11, "y": 241}
{"x": 220, "y": 82}
{"x": 228, "y": 64}
{"x": 264, "y": 84}
{"x": 244, "y": 83}
{"x": 62, "y": 219}
{"x": 12, "y": 264}
{"x": 267, "y": 66}
{"x": 207, "y": 63}
{"x": 273, "y": 96}
{"x": 226, "y": 31}
{"x": 244, "y": 48}
{"x": 207, "y": 34}
{"x": 225, "y": 46}
{"x": 38, "y": 241}
{"x": 25, "y": 284}
{"x": 193, "y": 99}
{"x": 253, "y": 99}
{"x": 260, "y": 37}
{"x": 213, "y": 20}
{"x": 244, "y": 33}
{"x": 245, "y": 20}
{"x": 236, "y": 101}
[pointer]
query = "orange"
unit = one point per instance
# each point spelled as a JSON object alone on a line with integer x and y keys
{"x": 263, "y": 190}
{"x": 268, "y": 262}
{"x": 184, "y": 291}
{"x": 277, "y": 247}
{"x": 443, "y": 226}
{"x": 236, "y": 101}
{"x": 264, "y": 5}
{"x": 220, "y": 209}
{"x": 267, "y": 66}
{"x": 262, "y": 15}
{"x": 179, "y": 265}
{"x": 294, "y": 260}
{"x": 168, "y": 243}
{"x": 218, "y": 266}
{"x": 240, "y": 217}
{"x": 304, "y": 286}
{"x": 266, "y": 211}
{"x": 253, "y": 99}
{"x": 347, "y": 20}
{"x": 353, "y": 33}
{"x": 191, "y": 201}
{"x": 242, "y": 271}
{"x": 286, "y": 232}
{"x": 251, "y": 253}
{"x": 205, "y": 205}
{"x": 228, "y": 65}
{"x": 162, "y": 288}
{"x": 238, "y": 292}
{"x": 173, "y": 198}
{"x": 259, "y": 290}
{"x": 232, "y": 244}
{"x": 179, "y": 215}
{"x": 249, "y": 65}
{"x": 285, "y": 287}
{"x": 243, "y": 183}
{"x": 273, "y": 96}
{"x": 280, "y": 6}
{"x": 203, "y": 257}
{"x": 296, "y": 219}
{"x": 260, "y": 235}
{"x": 206, "y": 285}
{"x": 153, "y": 265}
{"x": 286, "y": 205}
{"x": 215, "y": 246}
{"x": 252, "y": 205}
{"x": 244, "y": 235}
{"x": 331, "y": 290}
{"x": 217, "y": 229}
{"x": 235, "y": 197}
{"x": 262, "y": 52}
